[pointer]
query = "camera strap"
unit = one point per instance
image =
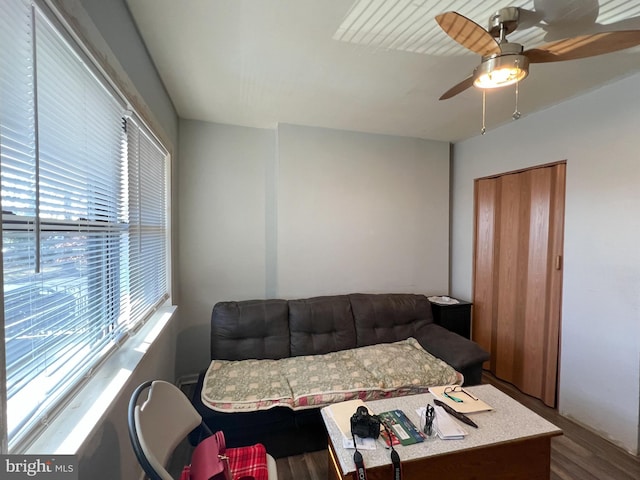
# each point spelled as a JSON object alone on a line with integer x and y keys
{"x": 361, "y": 471}
{"x": 395, "y": 460}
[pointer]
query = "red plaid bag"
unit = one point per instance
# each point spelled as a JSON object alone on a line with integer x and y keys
{"x": 211, "y": 460}
{"x": 248, "y": 462}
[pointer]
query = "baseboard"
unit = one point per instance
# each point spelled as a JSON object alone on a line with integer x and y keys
{"x": 190, "y": 379}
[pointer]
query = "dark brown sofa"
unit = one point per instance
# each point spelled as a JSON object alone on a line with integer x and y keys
{"x": 273, "y": 329}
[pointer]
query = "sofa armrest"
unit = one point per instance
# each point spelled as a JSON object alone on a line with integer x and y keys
{"x": 454, "y": 349}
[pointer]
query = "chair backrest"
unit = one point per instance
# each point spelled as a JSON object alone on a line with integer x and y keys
{"x": 159, "y": 424}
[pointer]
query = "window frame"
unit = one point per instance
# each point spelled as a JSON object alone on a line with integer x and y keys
{"x": 79, "y": 47}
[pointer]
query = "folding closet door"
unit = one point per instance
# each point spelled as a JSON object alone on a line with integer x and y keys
{"x": 519, "y": 220}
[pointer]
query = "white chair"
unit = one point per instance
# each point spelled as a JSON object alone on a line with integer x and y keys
{"x": 160, "y": 423}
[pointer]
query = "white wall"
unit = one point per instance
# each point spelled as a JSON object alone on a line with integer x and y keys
{"x": 222, "y": 226}
{"x": 597, "y": 134}
{"x": 361, "y": 213}
{"x": 301, "y": 212}
{"x": 107, "y": 454}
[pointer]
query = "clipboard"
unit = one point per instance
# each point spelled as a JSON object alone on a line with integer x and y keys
{"x": 467, "y": 405}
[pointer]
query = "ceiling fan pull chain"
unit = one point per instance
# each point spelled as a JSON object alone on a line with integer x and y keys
{"x": 516, "y": 113}
{"x": 484, "y": 111}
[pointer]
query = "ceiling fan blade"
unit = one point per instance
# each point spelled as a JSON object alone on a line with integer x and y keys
{"x": 468, "y": 33}
{"x": 584, "y": 46}
{"x": 459, "y": 88}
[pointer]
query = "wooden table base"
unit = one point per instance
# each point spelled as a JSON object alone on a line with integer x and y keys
{"x": 519, "y": 460}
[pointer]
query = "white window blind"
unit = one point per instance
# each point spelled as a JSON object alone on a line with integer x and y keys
{"x": 84, "y": 217}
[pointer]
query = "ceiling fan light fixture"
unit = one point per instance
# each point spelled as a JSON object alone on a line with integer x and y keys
{"x": 500, "y": 71}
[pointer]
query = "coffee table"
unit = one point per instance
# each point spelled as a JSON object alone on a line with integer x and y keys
{"x": 511, "y": 442}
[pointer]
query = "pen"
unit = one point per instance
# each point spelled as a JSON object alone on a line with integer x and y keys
{"x": 460, "y": 416}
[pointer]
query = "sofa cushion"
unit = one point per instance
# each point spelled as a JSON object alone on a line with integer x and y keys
{"x": 250, "y": 329}
{"x": 321, "y": 325}
{"x": 385, "y": 318}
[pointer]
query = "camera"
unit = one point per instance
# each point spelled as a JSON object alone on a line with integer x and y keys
{"x": 364, "y": 425}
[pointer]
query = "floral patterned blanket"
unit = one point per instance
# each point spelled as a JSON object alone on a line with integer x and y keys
{"x": 312, "y": 381}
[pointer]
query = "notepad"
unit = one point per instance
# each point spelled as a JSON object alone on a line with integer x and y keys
{"x": 468, "y": 404}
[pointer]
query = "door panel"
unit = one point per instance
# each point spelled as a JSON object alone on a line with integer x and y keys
{"x": 485, "y": 199}
{"x": 517, "y": 288}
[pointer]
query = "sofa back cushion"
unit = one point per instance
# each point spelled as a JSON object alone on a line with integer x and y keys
{"x": 250, "y": 329}
{"x": 385, "y": 318}
{"x": 321, "y": 325}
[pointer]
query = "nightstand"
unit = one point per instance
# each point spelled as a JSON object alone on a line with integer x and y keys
{"x": 455, "y": 317}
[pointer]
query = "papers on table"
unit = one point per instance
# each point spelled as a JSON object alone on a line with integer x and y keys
{"x": 341, "y": 414}
{"x": 446, "y": 427}
{"x": 362, "y": 443}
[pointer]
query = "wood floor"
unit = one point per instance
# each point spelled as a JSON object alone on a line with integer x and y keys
{"x": 577, "y": 455}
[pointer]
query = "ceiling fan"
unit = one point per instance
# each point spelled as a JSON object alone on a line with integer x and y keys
{"x": 505, "y": 63}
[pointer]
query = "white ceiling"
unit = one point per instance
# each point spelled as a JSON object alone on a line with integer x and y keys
{"x": 366, "y": 65}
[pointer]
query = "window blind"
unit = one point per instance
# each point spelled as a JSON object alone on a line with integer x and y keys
{"x": 84, "y": 217}
{"x": 147, "y": 242}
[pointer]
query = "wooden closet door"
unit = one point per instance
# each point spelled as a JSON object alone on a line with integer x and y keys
{"x": 518, "y": 277}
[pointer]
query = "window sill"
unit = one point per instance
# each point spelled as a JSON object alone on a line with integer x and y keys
{"x": 75, "y": 424}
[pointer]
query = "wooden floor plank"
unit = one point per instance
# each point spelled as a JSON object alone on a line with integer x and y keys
{"x": 579, "y": 454}
{"x": 318, "y": 465}
{"x": 284, "y": 468}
